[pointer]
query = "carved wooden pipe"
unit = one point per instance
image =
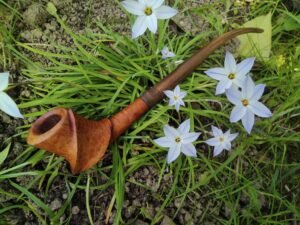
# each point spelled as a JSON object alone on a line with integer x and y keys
{"x": 83, "y": 142}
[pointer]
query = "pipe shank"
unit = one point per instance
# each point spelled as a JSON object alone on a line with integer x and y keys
{"x": 123, "y": 119}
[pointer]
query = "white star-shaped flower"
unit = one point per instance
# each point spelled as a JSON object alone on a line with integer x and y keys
{"x": 7, "y": 105}
{"x": 148, "y": 11}
{"x": 247, "y": 104}
{"x": 178, "y": 140}
{"x": 175, "y": 97}
{"x": 221, "y": 140}
{"x": 231, "y": 74}
{"x": 165, "y": 53}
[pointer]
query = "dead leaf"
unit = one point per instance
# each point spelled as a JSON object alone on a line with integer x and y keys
{"x": 258, "y": 45}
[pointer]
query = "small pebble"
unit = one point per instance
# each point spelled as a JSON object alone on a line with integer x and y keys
{"x": 55, "y": 204}
{"x": 75, "y": 210}
{"x": 65, "y": 196}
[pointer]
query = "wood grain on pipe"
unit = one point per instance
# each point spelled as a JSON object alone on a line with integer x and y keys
{"x": 83, "y": 142}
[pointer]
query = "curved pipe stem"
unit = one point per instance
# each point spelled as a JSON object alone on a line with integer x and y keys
{"x": 156, "y": 93}
{"x": 84, "y": 142}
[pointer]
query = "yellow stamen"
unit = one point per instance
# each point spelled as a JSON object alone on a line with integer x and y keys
{"x": 177, "y": 139}
{"x": 245, "y": 102}
{"x": 148, "y": 11}
{"x": 231, "y": 76}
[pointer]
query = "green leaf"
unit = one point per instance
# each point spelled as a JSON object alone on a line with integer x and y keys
{"x": 292, "y": 23}
{"x": 4, "y": 154}
{"x": 51, "y": 9}
{"x": 258, "y": 45}
{"x": 38, "y": 156}
{"x": 204, "y": 178}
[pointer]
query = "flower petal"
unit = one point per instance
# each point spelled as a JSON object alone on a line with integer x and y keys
{"x": 164, "y": 141}
{"x": 231, "y": 137}
{"x": 170, "y": 54}
{"x": 189, "y": 137}
{"x": 258, "y": 91}
{"x": 157, "y": 3}
{"x": 134, "y": 7}
{"x": 165, "y": 12}
{"x": 213, "y": 141}
{"x": 216, "y": 131}
{"x": 234, "y": 95}
{"x": 222, "y": 86}
{"x": 181, "y": 102}
{"x": 244, "y": 67}
{"x": 239, "y": 80}
{"x": 144, "y": 2}
{"x": 229, "y": 64}
{"x": 152, "y": 23}
{"x": 237, "y": 113}
{"x": 248, "y": 88}
{"x": 184, "y": 127}
{"x": 259, "y": 109}
{"x": 217, "y": 150}
{"x": 139, "y": 26}
{"x": 189, "y": 150}
{"x": 166, "y": 53}
{"x": 169, "y": 94}
{"x": 177, "y": 90}
{"x": 172, "y": 102}
{"x": 248, "y": 121}
{"x": 4, "y": 80}
{"x": 8, "y": 106}
{"x": 170, "y": 131}
{"x": 182, "y": 94}
{"x": 227, "y": 145}
{"x": 216, "y": 73}
{"x": 177, "y": 106}
{"x": 173, "y": 153}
